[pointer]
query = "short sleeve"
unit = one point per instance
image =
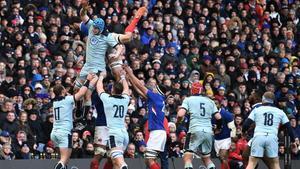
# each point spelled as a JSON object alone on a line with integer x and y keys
{"x": 284, "y": 118}
{"x": 214, "y": 108}
{"x": 88, "y": 24}
{"x": 126, "y": 97}
{"x": 103, "y": 96}
{"x": 70, "y": 99}
{"x": 185, "y": 104}
{"x": 84, "y": 29}
{"x": 111, "y": 40}
{"x": 252, "y": 115}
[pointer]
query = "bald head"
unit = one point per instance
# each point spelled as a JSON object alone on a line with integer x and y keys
{"x": 268, "y": 97}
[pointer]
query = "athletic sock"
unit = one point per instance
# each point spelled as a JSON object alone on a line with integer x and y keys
{"x": 94, "y": 164}
{"x": 108, "y": 165}
{"x": 188, "y": 166}
{"x": 132, "y": 25}
{"x": 154, "y": 166}
{"x": 224, "y": 165}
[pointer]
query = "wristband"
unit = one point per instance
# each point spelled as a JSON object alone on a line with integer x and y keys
{"x": 86, "y": 83}
{"x": 91, "y": 88}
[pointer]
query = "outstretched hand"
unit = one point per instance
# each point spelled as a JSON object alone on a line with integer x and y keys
{"x": 90, "y": 76}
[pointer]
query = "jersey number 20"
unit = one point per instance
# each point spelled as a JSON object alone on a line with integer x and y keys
{"x": 119, "y": 111}
{"x": 268, "y": 119}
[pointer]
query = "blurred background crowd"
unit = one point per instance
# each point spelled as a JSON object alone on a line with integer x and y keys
{"x": 237, "y": 49}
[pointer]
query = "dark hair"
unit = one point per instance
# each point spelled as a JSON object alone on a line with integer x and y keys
{"x": 57, "y": 89}
{"x": 118, "y": 88}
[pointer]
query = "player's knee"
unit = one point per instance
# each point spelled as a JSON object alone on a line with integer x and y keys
{"x": 211, "y": 166}
{"x": 100, "y": 151}
{"x": 114, "y": 154}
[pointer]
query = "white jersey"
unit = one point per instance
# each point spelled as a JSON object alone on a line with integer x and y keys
{"x": 63, "y": 113}
{"x": 201, "y": 110}
{"x": 267, "y": 119}
{"x": 115, "y": 108}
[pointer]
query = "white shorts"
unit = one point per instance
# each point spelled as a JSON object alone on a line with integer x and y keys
{"x": 223, "y": 144}
{"x": 101, "y": 135}
{"x": 157, "y": 140}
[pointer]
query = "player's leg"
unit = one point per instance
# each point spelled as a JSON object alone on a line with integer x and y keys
{"x": 224, "y": 158}
{"x": 64, "y": 142}
{"x": 115, "y": 64}
{"x": 257, "y": 151}
{"x": 271, "y": 152}
{"x": 100, "y": 140}
{"x": 223, "y": 152}
{"x": 125, "y": 38}
{"x": 65, "y": 154}
{"x": 118, "y": 141}
{"x": 188, "y": 159}
{"x": 155, "y": 144}
{"x": 117, "y": 158}
{"x": 252, "y": 162}
{"x": 188, "y": 155}
{"x": 206, "y": 147}
{"x": 273, "y": 163}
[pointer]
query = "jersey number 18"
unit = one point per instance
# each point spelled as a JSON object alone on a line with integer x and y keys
{"x": 268, "y": 119}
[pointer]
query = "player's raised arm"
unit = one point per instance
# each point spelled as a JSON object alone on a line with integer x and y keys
{"x": 99, "y": 86}
{"x": 83, "y": 13}
{"x": 88, "y": 84}
{"x": 124, "y": 83}
{"x": 135, "y": 81}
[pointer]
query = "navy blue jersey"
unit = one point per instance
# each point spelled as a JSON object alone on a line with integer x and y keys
{"x": 98, "y": 104}
{"x": 156, "y": 106}
{"x": 227, "y": 117}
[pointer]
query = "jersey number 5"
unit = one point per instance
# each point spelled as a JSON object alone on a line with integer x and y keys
{"x": 119, "y": 112}
{"x": 56, "y": 113}
{"x": 268, "y": 119}
{"x": 202, "y": 108}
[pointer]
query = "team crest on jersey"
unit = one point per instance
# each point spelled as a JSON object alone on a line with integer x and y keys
{"x": 94, "y": 40}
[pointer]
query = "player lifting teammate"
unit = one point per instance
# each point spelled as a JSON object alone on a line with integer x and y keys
{"x": 155, "y": 104}
{"x": 63, "y": 118}
{"x": 115, "y": 108}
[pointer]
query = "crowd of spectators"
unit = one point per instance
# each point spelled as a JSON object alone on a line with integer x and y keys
{"x": 237, "y": 49}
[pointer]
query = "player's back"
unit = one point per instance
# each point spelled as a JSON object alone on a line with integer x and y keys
{"x": 63, "y": 113}
{"x": 201, "y": 109}
{"x": 267, "y": 119}
{"x": 115, "y": 108}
